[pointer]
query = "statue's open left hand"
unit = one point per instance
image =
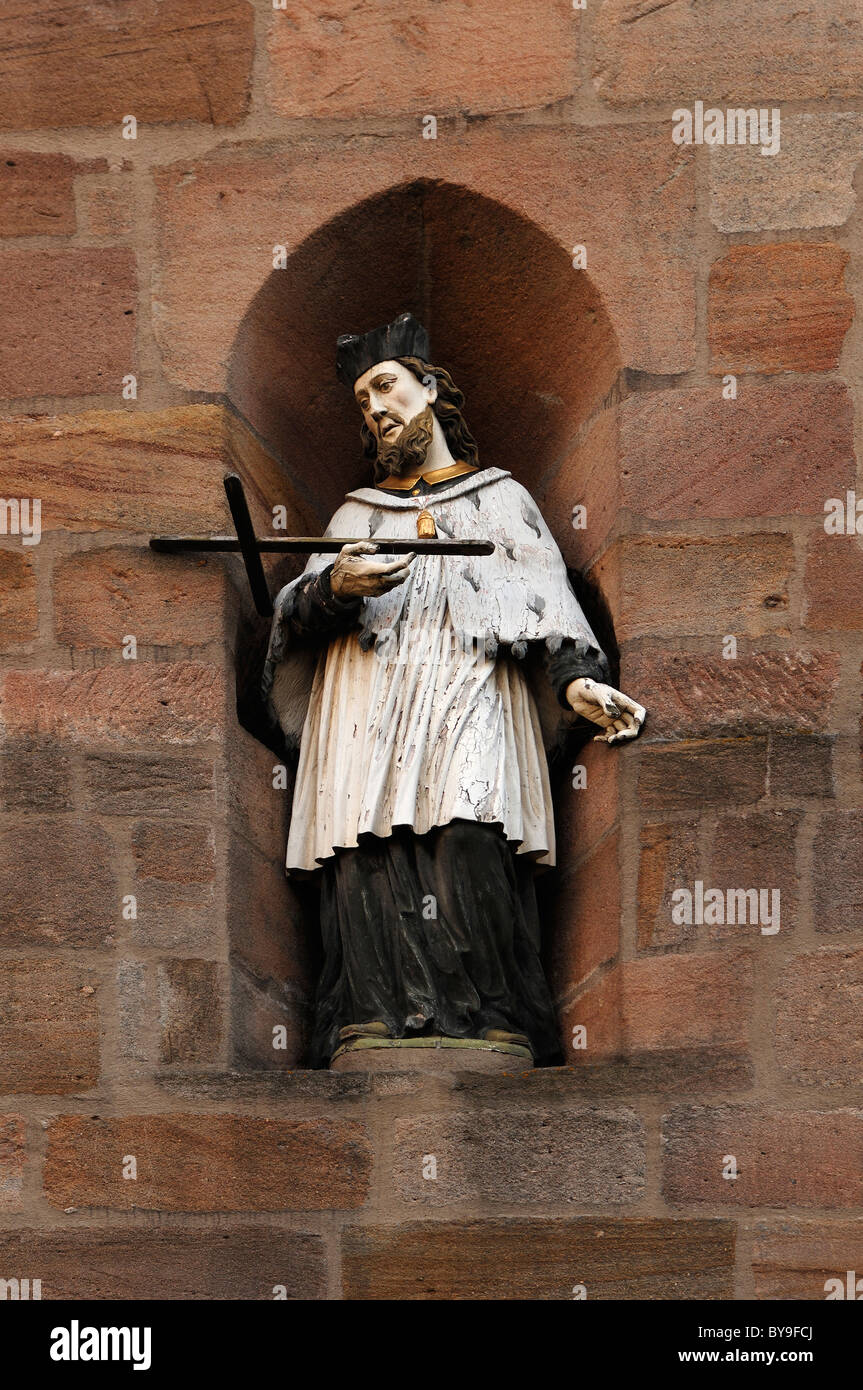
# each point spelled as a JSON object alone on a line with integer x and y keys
{"x": 620, "y": 717}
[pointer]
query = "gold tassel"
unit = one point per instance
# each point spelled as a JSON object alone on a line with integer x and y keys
{"x": 425, "y": 526}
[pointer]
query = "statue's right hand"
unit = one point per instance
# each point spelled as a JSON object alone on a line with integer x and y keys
{"x": 354, "y": 575}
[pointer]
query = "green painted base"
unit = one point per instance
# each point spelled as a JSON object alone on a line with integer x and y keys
{"x": 411, "y": 1050}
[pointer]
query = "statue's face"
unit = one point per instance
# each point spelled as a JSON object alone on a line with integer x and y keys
{"x": 390, "y": 397}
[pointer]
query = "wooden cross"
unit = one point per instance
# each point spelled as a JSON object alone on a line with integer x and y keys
{"x": 251, "y": 546}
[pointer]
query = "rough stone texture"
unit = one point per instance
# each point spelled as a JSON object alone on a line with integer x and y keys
{"x": 589, "y": 1156}
{"x": 18, "y": 585}
{"x": 13, "y": 1159}
{"x": 101, "y": 596}
{"x": 120, "y": 783}
{"x": 756, "y": 851}
{"x": 588, "y": 915}
{"x": 784, "y": 1158}
{"x": 190, "y": 1010}
{"x": 356, "y": 60}
{"x": 108, "y": 209}
{"x": 49, "y": 1030}
{"x": 36, "y": 193}
{"x": 174, "y": 852}
{"x": 704, "y": 772}
{"x": 692, "y": 693}
{"x": 817, "y": 1004}
{"x": 801, "y": 765}
{"x": 144, "y": 472}
{"x": 208, "y": 1163}
{"x": 834, "y": 583}
{"x": 106, "y": 1264}
{"x": 633, "y": 191}
{"x": 795, "y": 1259}
{"x": 179, "y": 702}
{"x": 599, "y": 1011}
{"x": 727, "y": 50}
{"x": 35, "y": 776}
{"x": 668, "y": 586}
{"x": 41, "y": 858}
{"x": 584, "y": 815}
{"x": 781, "y": 307}
{"x": 200, "y": 51}
{"x": 686, "y": 1001}
{"x": 837, "y": 886}
{"x": 68, "y": 321}
{"x": 669, "y": 860}
{"x": 776, "y": 451}
{"x": 521, "y": 1260}
{"x": 808, "y": 184}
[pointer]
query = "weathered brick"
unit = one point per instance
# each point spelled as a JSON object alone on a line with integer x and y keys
{"x": 13, "y": 1160}
{"x": 784, "y": 1158}
{"x": 58, "y": 885}
{"x": 18, "y": 586}
{"x": 49, "y": 1028}
{"x": 520, "y": 1259}
{"x": 68, "y": 323}
{"x": 101, "y": 596}
{"x": 147, "y": 471}
{"x": 684, "y": 1001}
{"x": 587, "y": 919}
{"x": 795, "y": 1259}
{"x": 838, "y": 872}
{"x": 34, "y": 776}
{"x": 208, "y": 1163}
{"x": 108, "y": 208}
{"x": 756, "y": 851}
{"x": 598, "y": 1010}
{"x": 136, "y": 1009}
{"x": 358, "y": 60}
{"x": 669, "y": 860}
{"x": 190, "y": 1010}
{"x": 834, "y": 584}
{"x": 808, "y": 184}
{"x": 801, "y": 765}
{"x": 702, "y": 772}
{"x": 37, "y": 194}
{"x": 669, "y": 586}
{"x": 819, "y": 1039}
{"x": 275, "y": 941}
{"x": 634, "y": 193}
{"x": 174, "y": 851}
{"x": 149, "y": 784}
{"x": 179, "y": 702}
{"x": 76, "y": 64}
{"x": 591, "y": 1155}
{"x": 727, "y": 50}
{"x": 694, "y": 693}
{"x": 107, "y": 1264}
{"x": 775, "y": 451}
{"x": 780, "y": 307}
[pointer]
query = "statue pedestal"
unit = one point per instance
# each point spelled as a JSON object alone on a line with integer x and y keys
{"x": 434, "y": 1053}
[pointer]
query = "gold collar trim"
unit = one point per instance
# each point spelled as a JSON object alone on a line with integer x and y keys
{"x": 437, "y": 475}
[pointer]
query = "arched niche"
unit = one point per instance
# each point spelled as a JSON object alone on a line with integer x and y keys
{"x": 525, "y": 336}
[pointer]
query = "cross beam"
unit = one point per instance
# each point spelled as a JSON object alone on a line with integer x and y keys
{"x": 251, "y": 546}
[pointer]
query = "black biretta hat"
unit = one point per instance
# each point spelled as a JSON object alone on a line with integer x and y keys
{"x": 355, "y": 353}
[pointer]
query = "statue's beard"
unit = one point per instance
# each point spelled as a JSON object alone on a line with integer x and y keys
{"x": 408, "y": 452}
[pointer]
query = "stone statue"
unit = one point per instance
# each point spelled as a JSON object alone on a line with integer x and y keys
{"x": 424, "y": 690}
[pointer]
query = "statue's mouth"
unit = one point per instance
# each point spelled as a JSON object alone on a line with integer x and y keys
{"x": 389, "y": 427}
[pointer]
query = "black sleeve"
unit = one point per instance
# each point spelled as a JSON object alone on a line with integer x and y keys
{"x": 315, "y": 611}
{"x": 571, "y": 661}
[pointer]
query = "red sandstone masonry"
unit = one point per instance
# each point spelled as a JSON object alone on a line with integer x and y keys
{"x": 208, "y": 1163}
{"x": 69, "y": 322}
{"x": 784, "y": 1158}
{"x": 817, "y": 1004}
{"x": 130, "y": 57}
{"x": 13, "y": 1160}
{"x": 49, "y": 1027}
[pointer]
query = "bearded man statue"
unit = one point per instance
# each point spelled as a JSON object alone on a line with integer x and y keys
{"x": 423, "y": 691}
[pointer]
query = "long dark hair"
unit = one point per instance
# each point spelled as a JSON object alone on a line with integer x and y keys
{"x": 447, "y": 408}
